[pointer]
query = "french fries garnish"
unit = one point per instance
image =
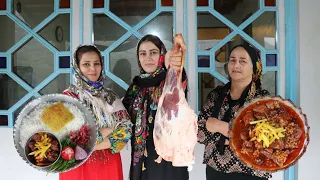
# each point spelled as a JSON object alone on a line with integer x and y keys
{"x": 265, "y": 132}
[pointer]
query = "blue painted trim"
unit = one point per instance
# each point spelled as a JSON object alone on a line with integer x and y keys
{"x": 8, "y": 5}
{"x": 211, "y": 4}
{"x": 56, "y": 5}
{"x": 43, "y": 23}
{"x": 223, "y": 42}
{"x": 219, "y": 76}
{"x": 271, "y": 68}
{"x": 203, "y": 52}
{"x": 185, "y": 31}
{"x": 3, "y": 71}
{"x": 3, "y": 112}
{"x": 264, "y": 59}
{"x": 64, "y": 10}
{"x": 80, "y": 23}
{"x": 71, "y": 27}
{"x": 106, "y": 59}
{"x": 248, "y": 21}
{"x": 10, "y": 120}
{"x": 212, "y": 63}
{"x": 273, "y": 51}
{"x": 202, "y": 9}
{"x": 146, "y": 20}
{"x": 117, "y": 80}
{"x": 158, "y": 4}
{"x": 56, "y": 62}
{"x": 18, "y": 44}
{"x": 9, "y": 64}
{"x": 3, "y": 12}
{"x": 203, "y": 70}
{"x": 291, "y": 63}
{"x": 65, "y": 71}
{"x": 174, "y": 23}
{"x": 33, "y": 33}
{"x": 118, "y": 20}
{"x": 166, "y": 9}
{"x": 107, "y": 5}
{"x": 261, "y": 4}
{"x": 267, "y": 8}
{"x": 64, "y": 53}
{"x": 18, "y": 80}
{"x": 118, "y": 42}
{"x": 277, "y": 40}
{"x": 20, "y": 102}
{"x": 98, "y": 10}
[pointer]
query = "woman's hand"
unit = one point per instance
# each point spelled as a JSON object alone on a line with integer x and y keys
{"x": 173, "y": 59}
{"x": 215, "y": 125}
{"x": 105, "y": 144}
{"x": 105, "y": 132}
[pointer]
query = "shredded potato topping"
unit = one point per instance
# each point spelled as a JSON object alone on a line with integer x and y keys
{"x": 265, "y": 132}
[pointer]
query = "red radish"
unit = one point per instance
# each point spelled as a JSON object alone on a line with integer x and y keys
{"x": 67, "y": 153}
{"x": 80, "y": 153}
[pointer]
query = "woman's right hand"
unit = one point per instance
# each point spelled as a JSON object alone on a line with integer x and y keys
{"x": 215, "y": 125}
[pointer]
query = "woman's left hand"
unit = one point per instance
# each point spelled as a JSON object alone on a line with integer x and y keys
{"x": 173, "y": 59}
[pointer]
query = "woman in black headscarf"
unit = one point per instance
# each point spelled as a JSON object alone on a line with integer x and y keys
{"x": 141, "y": 101}
{"x": 245, "y": 72}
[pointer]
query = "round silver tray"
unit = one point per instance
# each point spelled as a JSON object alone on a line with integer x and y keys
{"x": 52, "y": 98}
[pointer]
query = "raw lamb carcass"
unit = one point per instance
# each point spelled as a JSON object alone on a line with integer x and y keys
{"x": 175, "y": 127}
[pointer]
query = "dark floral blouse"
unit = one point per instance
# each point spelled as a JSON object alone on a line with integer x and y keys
{"x": 226, "y": 162}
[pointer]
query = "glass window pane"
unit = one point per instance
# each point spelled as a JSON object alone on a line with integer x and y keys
{"x": 32, "y": 13}
{"x": 236, "y": 11}
{"x": 132, "y": 12}
{"x": 269, "y": 82}
{"x": 33, "y": 62}
{"x": 58, "y": 85}
{"x": 263, "y": 30}
{"x": 124, "y": 59}
{"x": 106, "y": 31}
{"x": 161, "y": 26}
{"x": 206, "y": 83}
{"x": 11, "y": 34}
{"x": 210, "y": 31}
{"x": 10, "y": 93}
{"x": 57, "y": 32}
{"x": 17, "y": 111}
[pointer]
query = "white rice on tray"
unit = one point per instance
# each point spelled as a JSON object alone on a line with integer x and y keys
{"x": 32, "y": 123}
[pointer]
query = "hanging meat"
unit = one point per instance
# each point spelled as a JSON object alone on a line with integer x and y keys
{"x": 175, "y": 127}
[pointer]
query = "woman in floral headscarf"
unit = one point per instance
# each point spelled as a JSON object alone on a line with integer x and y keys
{"x": 244, "y": 68}
{"x": 112, "y": 119}
{"x": 141, "y": 101}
